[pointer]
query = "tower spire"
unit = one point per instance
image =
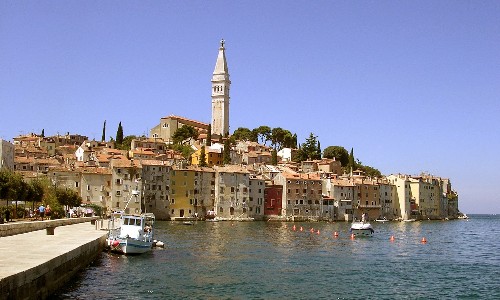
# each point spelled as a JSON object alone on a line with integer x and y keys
{"x": 220, "y": 93}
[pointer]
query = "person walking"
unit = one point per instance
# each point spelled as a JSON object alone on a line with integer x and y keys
{"x": 41, "y": 210}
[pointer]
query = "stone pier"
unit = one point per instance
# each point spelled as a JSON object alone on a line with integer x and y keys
{"x": 36, "y": 264}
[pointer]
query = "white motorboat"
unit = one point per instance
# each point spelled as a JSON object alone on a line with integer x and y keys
{"x": 362, "y": 229}
{"x": 134, "y": 234}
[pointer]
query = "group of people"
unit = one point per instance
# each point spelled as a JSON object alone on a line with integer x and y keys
{"x": 42, "y": 212}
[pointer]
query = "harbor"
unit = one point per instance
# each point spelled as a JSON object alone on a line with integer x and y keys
{"x": 36, "y": 264}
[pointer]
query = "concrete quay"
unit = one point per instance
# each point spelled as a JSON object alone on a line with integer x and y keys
{"x": 35, "y": 264}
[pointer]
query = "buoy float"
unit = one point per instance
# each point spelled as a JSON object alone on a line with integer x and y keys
{"x": 312, "y": 230}
{"x": 335, "y": 234}
{"x": 293, "y": 227}
{"x": 353, "y": 236}
{"x": 318, "y": 231}
{"x": 423, "y": 240}
{"x": 301, "y": 229}
{"x": 392, "y": 238}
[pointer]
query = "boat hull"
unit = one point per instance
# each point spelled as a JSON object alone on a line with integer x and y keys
{"x": 362, "y": 229}
{"x": 129, "y": 246}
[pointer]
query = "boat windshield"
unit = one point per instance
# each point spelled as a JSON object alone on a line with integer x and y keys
{"x": 132, "y": 221}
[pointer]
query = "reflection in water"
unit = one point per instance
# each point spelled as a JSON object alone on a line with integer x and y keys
{"x": 269, "y": 260}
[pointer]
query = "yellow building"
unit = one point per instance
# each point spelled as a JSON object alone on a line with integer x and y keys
{"x": 213, "y": 155}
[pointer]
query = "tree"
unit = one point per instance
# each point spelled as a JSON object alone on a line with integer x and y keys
{"x": 103, "y": 138}
{"x": 244, "y": 134}
{"x": 274, "y": 157}
{"x": 127, "y": 142}
{"x": 263, "y": 133}
{"x": 318, "y": 151}
{"x": 227, "y": 152}
{"x": 43, "y": 133}
{"x": 352, "y": 163}
{"x": 185, "y": 133}
{"x": 337, "y": 152}
{"x": 209, "y": 136}
{"x": 119, "y": 135}
{"x": 203, "y": 157}
{"x": 68, "y": 197}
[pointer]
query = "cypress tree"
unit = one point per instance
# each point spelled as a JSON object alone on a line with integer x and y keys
{"x": 318, "y": 151}
{"x": 203, "y": 157}
{"x": 351, "y": 160}
{"x": 209, "y": 136}
{"x": 119, "y": 134}
{"x": 43, "y": 133}
{"x": 103, "y": 138}
{"x": 274, "y": 157}
{"x": 227, "y": 152}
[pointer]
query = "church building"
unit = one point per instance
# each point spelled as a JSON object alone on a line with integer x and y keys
{"x": 220, "y": 106}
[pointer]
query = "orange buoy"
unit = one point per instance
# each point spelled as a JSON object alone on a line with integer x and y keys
{"x": 318, "y": 231}
{"x": 293, "y": 227}
{"x": 312, "y": 230}
{"x": 424, "y": 240}
{"x": 392, "y": 238}
{"x": 353, "y": 236}
{"x": 301, "y": 229}
{"x": 335, "y": 234}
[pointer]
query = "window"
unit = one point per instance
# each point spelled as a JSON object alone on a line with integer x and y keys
{"x": 77, "y": 183}
{"x": 172, "y": 201}
{"x": 88, "y": 187}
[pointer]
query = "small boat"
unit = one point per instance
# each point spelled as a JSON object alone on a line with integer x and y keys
{"x": 361, "y": 228}
{"x": 210, "y": 215}
{"x": 188, "y": 223}
{"x": 384, "y": 219}
{"x": 134, "y": 234}
{"x": 410, "y": 220}
{"x": 463, "y": 216}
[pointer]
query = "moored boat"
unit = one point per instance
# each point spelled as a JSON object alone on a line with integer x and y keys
{"x": 361, "y": 229}
{"x": 134, "y": 234}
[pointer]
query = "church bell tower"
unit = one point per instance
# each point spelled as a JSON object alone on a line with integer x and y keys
{"x": 220, "y": 94}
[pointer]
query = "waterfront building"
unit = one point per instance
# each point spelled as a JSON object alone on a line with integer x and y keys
{"x": 425, "y": 198}
{"x": 387, "y": 199}
{"x": 95, "y": 187}
{"x": 342, "y": 193}
{"x": 302, "y": 195}
{"x": 402, "y": 205}
{"x": 256, "y": 198}
{"x": 6, "y": 155}
{"x": 155, "y": 187}
{"x": 232, "y": 191}
{"x": 367, "y": 198}
{"x": 127, "y": 186}
{"x": 220, "y": 94}
{"x": 273, "y": 200}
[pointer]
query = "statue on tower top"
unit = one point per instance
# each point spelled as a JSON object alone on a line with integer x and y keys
{"x": 222, "y": 43}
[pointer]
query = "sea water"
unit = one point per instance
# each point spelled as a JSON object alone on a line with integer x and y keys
{"x": 271, "y": 260}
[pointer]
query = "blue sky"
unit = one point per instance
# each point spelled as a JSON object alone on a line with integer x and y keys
{"x": 412, "y": 86}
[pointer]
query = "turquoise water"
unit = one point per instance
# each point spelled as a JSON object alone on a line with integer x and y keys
{"x": 268, "y": 260}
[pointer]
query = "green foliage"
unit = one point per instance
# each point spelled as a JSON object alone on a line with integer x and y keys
{"x": 68, "y": 197}
{"x": 209, "y": 136}
{"x": 103, "y": 138}
{"x": 227, "y": 152}
{"x": 369, "y": 171}
{"x": 185, "y": 150}
{"x": 185, "y": 133}
{"x": 127, "y": 142}
{"x": 43, "y": 133}
{"x": 244, "y": 134}
{"x": 308, "y": 150}
{"x": 203, "y": 157}
{"x": 352, "y": 163}
{"x": 274, "y": 157}
{"x": 339, "y": 152}
{"x": 263, "y": 134}
{"x": 119, "y": 135}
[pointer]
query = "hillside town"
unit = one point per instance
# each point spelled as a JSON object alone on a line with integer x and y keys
{"x": 154, "y": 177}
